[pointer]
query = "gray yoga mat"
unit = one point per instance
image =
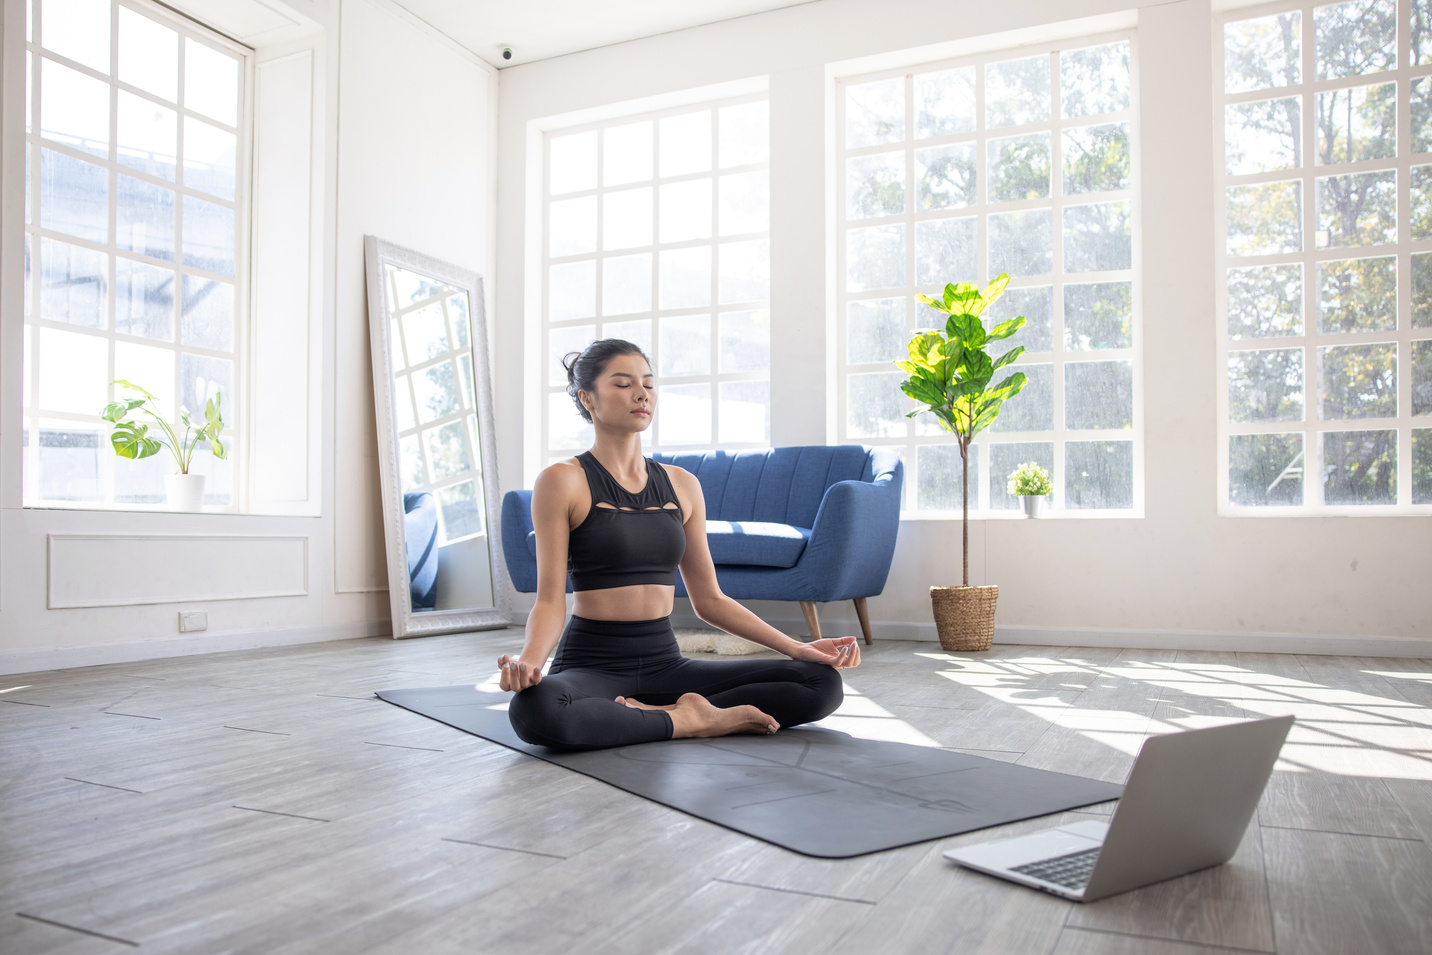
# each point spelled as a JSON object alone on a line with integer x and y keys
{"x": 815, "y": 791}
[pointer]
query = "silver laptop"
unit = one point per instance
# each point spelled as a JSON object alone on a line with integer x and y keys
{"x": 1185, "y": 807}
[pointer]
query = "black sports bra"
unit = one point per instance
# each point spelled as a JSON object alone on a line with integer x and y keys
{"x": 626, "y": 538}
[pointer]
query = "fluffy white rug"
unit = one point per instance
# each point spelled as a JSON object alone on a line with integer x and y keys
{"x": 692, "y": 640}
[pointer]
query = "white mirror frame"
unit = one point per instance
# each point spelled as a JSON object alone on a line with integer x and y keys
{"x": 379, "y": 254}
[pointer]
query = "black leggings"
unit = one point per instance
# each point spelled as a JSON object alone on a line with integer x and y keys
{"x": 574, "y": 706}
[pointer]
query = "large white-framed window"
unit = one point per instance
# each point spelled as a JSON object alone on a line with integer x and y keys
{"x": 1021, "y": 161}
{"x": 1325, "y": 258}
{"x": 136, "y": 221}
{"x": 656, "y": 229}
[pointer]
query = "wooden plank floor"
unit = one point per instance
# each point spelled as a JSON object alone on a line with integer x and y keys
{"x": 263, "y": 801}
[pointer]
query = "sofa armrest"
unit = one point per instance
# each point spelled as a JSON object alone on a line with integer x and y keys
{"x": 853, "y": 540}
{"x": 516, "y": 525}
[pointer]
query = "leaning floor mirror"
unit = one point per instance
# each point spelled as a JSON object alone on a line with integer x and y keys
{"x": 436, "y": 449}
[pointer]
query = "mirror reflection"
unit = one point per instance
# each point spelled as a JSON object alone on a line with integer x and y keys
{"x": 439, "y": 462}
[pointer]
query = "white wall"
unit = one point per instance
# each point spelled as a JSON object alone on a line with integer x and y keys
{"x": 403, "y": 144}
{"x": 1180, "y": 576}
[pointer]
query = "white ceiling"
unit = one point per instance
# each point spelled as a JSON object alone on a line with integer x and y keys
{"x": 537, "y": 29}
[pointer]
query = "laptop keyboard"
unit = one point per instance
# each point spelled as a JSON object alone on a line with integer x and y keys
{"x": 1071, "y": 871}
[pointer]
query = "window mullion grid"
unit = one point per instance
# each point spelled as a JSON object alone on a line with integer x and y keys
{"x": 912, "y": 276}
{"x": 1312, "y": 447}
{"x": 716, "y": 249}
{"x": 1056, "y": 190}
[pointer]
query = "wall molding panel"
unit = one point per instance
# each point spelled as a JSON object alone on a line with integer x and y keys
{"x": 121, "y": 570}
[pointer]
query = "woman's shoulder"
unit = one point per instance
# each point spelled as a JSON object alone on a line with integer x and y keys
{"x": 561, "y": 476}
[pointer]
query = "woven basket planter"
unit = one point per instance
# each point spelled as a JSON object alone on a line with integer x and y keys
{"x": 964, "y": 616}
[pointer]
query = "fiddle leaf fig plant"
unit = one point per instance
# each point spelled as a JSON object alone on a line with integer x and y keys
{"x": 951, "y": 372}
{"x": 132, "y": 439}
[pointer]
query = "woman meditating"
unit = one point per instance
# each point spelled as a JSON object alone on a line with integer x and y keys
{"x": 622, "y": 524}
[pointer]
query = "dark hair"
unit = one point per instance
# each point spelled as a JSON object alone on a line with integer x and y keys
{"x": 586, "y": 366}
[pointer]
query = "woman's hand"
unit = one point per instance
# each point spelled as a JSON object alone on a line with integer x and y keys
{"x": 839, "y": 652}
{"x": 516, "y": 675}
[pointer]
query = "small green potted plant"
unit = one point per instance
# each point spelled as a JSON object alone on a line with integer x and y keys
{"x": 1030, "y": 483}
{"x": 132, "y": 439}
{"x": 951, "y": 374}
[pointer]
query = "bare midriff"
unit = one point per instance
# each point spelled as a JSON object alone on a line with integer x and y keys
{"x": 637, "y": 602}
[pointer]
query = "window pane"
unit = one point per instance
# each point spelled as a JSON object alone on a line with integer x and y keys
{"x": 209, "y": 158}
{"x": 875, "y": 258}
{"x": 1422, "y": 466}
{"x": 572, "y": 162}
{"x": 211, "y": 82}
{"x": 1019, "y": 168}
{"x": 207, "y": 313}
{"x": 686, "y": 211}
{"x": 74, "y": 371}
{"x": 73, "y": 281}
{"x": 565, "y": 427}
{"x": 1017, "y": 91}
{"x": 941, "y": 477}
{"x": 1098, "y": 315}
{"x": 1263, "y": 136}
{"x": 875, "y": 113}
{"x": 945, "y": 177}
{"x": 1266, "y": 385}
{"x": 74, "y": 196}
{"x": 1262, "y": 53}
{"x": 79, "y": 30}
{"x": 1265, "y": 218}
{"x": 462, "y": 517}
{"x": 572, "y": 291}
{"x": 745, "y": 271}
{"x": 1357, "y": 210}
{"x": 208, "y": 236}
{"x": 745, "y": 411}
{"x": 1099, "y": 474}
{"x": 403, "y": 415}
{"x": 572, "y": 226}
{"x": 875, "y": 330}
{"x": 1357, "y": 295}
{"x": 626, "y": 153}
{"x": 1033, "y": 408}
{"x": 945, "y": 102}
{"x": 686, "y": 143}
{"x": 745, "y": 133}
{"x": 435, "y": 389}
{"x": 152, "y": 369}
{"x": 69, "y": 463}
{"x": 1021, "y": 243}
{"x": 1265, "y": 301}
{"x": 1422, "y": 290}
{"x": 148, "y": 54}
{"x": 874, "y": 405}
{"x": 1357, "y": 381}
{"x": 1096, "y": 158}
{"x": 638, "y": 332}
{"x": 686, "y": 346}
{"x": 745, "y": 341}
{"x": 745, "y": 201}
{"x": 144, "y": 223}
{"x": 148, "y": 136}
{"x": 447, "y": 450}
{"x": 1098, "y": 395}
{"x": 142, "y": 481}
{"x": 946, "y": 251}
{"x": 410, "y": 462}
{"x": 1360, "y": 467}
{"x": 685, "y": 279}
{"x": 1004, "y": 459}
{"x": 626, "y": 219}
{"x": 143, "y": 300}
{"x": 1265, "y": 469}
{"x": 1098, "y": 238}
{"x": 1355, "y": 38}
{"x": 561, "y": 342}
{"x": 1422, "y": 377}
{"x": 1421, "y": 32}
{"x": 1421, "y": 102}
{"x": 626, "y": 284}
{"x": 875, "y": 185}
{"x": 685, "y": 414}
{"x": 1357, "y": 123}
{"x": 425, "y": 333}
{"x": 1420, "y": 213}
{"x": 1036, "y": 304}
{"x": 1094, "y": 80}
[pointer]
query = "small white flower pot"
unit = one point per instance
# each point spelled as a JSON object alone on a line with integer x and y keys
{"x": 1033, "y": 504}
{"x": 184, "y": 492}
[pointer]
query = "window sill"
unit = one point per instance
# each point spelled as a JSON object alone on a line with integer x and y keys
{"x": 101, "y": 507}
{"x": 1081, "y": 515}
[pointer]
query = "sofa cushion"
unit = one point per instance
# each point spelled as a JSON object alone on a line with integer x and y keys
{"x": 756, "y": 543}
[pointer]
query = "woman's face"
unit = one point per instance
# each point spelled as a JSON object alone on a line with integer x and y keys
{"x": 625, "y": 398}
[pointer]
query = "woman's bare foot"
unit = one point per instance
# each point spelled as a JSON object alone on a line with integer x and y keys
{"x": 638, "y": 705}
{"x": 696, "y": 717}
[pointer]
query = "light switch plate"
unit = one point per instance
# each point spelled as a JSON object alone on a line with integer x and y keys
{"x": 191, "y": 620}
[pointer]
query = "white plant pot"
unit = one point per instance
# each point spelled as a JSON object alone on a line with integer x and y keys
{"x": 184, "y": 492}
{"x": 1033, "y": 504}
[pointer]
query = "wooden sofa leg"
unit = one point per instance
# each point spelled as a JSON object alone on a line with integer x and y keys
{"x": 864, "y": 615}
{"x": 812, "y": 621}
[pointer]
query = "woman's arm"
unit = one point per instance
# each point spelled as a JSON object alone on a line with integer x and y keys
{"x": 553, "y": 497}
{"x": 698, "y": 572}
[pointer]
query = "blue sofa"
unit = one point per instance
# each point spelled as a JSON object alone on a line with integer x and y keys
{"x": 810, "y": 524}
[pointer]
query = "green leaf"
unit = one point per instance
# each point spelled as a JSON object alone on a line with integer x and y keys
{"x": 963, "y": 295}
{"x": 131, "y": 441}
{"x": 1005, "y": 329}
{"x": 218, "y": 448}
{"x": 933, "y": 303}
{"x": 994, "y": 289}
{"x": 1008, "y": 357}
{"x": 211, "y": 412}
{"x": 132, "y": 387}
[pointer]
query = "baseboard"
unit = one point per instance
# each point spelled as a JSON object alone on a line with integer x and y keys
{"x": 65, "y": 658}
